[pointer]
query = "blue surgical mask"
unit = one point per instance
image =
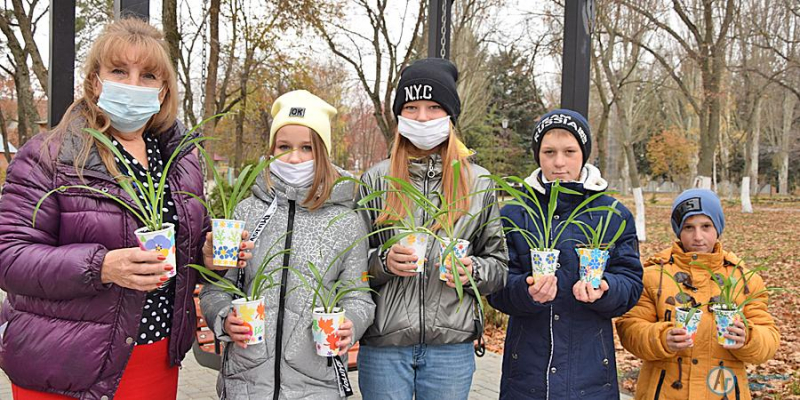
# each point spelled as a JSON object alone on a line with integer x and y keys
{"x": 129, "y": 107}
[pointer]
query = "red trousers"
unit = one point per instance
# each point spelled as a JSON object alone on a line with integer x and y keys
{"x": 147, "y": 376}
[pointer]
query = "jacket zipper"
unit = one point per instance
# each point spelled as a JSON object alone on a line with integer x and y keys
{"x": 431, "y": 173}
{"x": 282, "y": 304}
{"x": 660, "y": 383}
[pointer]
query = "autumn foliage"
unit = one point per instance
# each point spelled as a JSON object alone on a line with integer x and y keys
{"x": 670, "y": 153}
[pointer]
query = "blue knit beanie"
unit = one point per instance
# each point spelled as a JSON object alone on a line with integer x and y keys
{"x": 697, "y": 202}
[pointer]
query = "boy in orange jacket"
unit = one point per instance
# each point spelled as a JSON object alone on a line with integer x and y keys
{"x": 678, "y": 365}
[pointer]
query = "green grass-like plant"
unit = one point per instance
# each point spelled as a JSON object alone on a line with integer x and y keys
{"x": 150, "y": 211}
{"x": 595, "y": 235}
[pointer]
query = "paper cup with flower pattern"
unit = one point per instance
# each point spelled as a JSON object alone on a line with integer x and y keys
{"x": 162, "y": 241}
{"x": 324, "y": 327}
{"x": 252, "y": 312}
{"x": 227, "y": 235}
{"x": 691, "y": 324}
{"x": 593, "y": 263}
{"x": 544, "y": 263}
{"x": 446, "y": 264}
{"x": 723, "y": 319}
{"x": 418, "y": 242}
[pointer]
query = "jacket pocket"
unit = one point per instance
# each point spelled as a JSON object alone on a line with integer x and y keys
{"x": 660, "y": 384}
{"x": 237, "y": 360}
{"x": 596, "y": 361}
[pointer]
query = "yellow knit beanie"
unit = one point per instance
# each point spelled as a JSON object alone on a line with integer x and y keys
{"x": 299, "y": 107}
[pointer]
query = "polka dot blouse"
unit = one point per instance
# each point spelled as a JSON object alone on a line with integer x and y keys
{"x": 157, "y": 313}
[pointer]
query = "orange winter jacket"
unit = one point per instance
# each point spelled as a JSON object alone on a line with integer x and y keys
{"x": 694, "y": 373}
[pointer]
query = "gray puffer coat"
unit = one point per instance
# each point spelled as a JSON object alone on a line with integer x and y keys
{"x": 250, "y": 373}
{"x": 422, "y": 309}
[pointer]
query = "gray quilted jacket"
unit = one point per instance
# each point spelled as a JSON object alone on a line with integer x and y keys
{"x": 250, "y": 373}
{"x": 422, "y": 309}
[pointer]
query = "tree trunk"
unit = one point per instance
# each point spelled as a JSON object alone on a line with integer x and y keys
{"x": 755, "y": 138}
{"x": 7, "y": 150}
{"x": 746, "y": 206}
{"x": 26, "y": 28}
{"x": 171, "y": 34}
{"x": 638, "y": 198}
{"x": 210, "y": 100}
{"x": 789, "y": 102}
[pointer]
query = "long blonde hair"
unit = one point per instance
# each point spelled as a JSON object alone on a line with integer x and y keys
{"x": 325, "y": 173}
{"x": 111, "y": 48}
{"x": 450, "y": 151}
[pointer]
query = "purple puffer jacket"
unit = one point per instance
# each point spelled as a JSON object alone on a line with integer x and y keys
{"x": 67, "y": 332}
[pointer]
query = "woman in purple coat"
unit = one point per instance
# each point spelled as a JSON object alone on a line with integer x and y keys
{"x": 89, "y": 314}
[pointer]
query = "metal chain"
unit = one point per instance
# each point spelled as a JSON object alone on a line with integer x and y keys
{"x": 442, "y": 52}
{"x": 203, "y": 64}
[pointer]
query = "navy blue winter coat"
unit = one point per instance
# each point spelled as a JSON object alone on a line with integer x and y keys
{"x": 564, "y": 349}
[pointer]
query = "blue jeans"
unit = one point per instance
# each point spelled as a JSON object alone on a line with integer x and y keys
{"x": 441, "y": 372}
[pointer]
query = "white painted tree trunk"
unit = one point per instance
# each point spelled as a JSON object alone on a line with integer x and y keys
{"x": 789, "y": 102}
{"x": 638, "y": 198}
{"x": 746, "y": 206}
{"x": 754, "y": 149}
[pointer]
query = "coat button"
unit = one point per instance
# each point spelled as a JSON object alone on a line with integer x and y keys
{"x": 129, "y": 340}
{"x": 104, "y": 190}
{"x": 514, "y": 355}
{"x": 583, "y": 392}
{"x": 104, "y": 398}
{"x": 694, "y": 256}
{"x": 555, "y": 216}
{"x": 553, "y": 370}
{"x": 694, "y": 361}
{"x": 605, "y": 361}
{"x": 533, "y": 390}
{"x": 556, "y": 317}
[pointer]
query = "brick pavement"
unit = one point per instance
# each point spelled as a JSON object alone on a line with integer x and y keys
{"x": 198, "y": 383}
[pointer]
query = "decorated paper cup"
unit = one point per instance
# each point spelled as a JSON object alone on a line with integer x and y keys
{"x": 162, "y": 241}
{"x": 723, "y": 319}
{"x": 252, "y": 312}
{"x": 446, "y": 264}
{"x": 418, "y": 242}
{"x": 593, "y": 263}
{"x": 324, "y": 327}
{"x": 691, "y": 325}
{"x": 227, "y": 237}
{"x": 544, "y": 263}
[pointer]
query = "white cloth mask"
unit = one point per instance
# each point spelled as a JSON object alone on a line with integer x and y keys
{"x": 424, "y": 135}
{"x": 298, "y": 175}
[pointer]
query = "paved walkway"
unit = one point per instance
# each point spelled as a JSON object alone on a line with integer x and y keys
{"x": 198, "y": 383}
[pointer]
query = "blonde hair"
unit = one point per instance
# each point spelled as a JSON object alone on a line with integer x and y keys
{"x": 325, "y": 174}
{"x": 112, "y": 48}
{"x": 458, "y": 202}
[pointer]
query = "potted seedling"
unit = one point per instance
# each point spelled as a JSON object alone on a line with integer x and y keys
{"x": 545, "y": 238}
{"x": 440, "y": 227}
{"x": 227, "y": 231}
{"x": 687, "y": 310}
{"x": 726, "y": 306}
{"x": 156, "y": 234}
{"x": 593, "y": 254}
{"x": 249, "y": 304}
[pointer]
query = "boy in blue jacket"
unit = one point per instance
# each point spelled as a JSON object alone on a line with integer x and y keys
{"x": 560, "y": 343}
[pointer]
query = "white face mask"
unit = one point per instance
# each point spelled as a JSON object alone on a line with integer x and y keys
{"x": 298, "y": 175}
{"x": 424, "y": 135}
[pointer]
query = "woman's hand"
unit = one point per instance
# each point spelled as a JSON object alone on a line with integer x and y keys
{"x": 678, "y": 339}
{"x": 401, "y": 261}
{"x": 134, "y": 268}
{"x": 237, "y": 330}
{"x": 584, "y": 291}
{"x": 543, "y": 290}
{"x": 738, "y": 333}
{"x": 245, "y": 252}
{"x": 345, "y": 334}
{"x": 462, "y": 275}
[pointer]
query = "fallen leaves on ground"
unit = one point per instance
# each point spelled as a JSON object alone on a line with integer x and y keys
{"x": 764, "y": 238}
